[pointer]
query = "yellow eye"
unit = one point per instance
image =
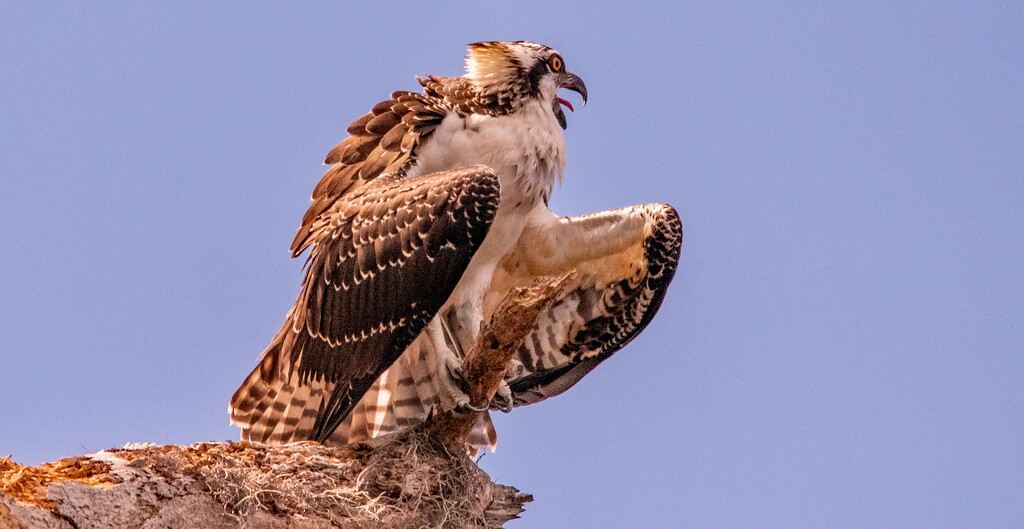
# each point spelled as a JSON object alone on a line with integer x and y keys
{"x": 556, "y": 63}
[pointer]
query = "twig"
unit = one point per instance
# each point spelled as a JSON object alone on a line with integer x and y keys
{"x": 488, "y": 359}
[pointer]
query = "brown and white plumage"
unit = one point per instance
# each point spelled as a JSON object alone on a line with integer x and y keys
{"x": 624, "y": 260}
{"x": 365, "y": 297}
{"x": 434, "y": 207}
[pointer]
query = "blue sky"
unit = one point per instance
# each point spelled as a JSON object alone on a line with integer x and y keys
{"x": 843, "y": 343}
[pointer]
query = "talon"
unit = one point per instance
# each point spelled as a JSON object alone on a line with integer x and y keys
{"x": 455, "y": 370}
{"x": 467, "y": 406}
{"x": 503, "y": 399}
{"x": 517, "y": 367}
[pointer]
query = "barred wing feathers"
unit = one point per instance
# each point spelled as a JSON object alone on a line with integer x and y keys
{"x": 625, "y": 260}
{"x": 386, "y": 257}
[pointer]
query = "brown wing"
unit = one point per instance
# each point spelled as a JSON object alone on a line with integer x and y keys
{"x": 381, "y": 142}
{"x": 386, "y": 258}
{"x": 625, "y": 260}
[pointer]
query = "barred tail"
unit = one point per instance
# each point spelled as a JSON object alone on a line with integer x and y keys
{"x": 403, "y": 397}
{"x": 271, "y": 406}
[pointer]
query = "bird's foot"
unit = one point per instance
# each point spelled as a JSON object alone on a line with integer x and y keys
{"x": 503, "y": 399}
{"x": 452, "y": 378}
{"x": 455, "y": 398}
{"x": 516, "y": 370}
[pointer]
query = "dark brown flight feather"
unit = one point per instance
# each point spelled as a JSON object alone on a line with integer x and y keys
{"x": 404, "y": 239}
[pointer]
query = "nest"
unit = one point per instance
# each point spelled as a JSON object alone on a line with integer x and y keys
{"x": 404, "y": 480}
{"x": 407, "y": 480}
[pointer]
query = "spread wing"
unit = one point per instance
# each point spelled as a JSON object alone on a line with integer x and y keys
{"x": 625, "y": 260}
{"x": 385, "y": 257}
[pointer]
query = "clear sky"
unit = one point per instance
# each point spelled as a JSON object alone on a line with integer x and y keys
{"x": 843, "y": 345}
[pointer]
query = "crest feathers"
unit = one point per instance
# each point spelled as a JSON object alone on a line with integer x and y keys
{"x": 490, "y": 63}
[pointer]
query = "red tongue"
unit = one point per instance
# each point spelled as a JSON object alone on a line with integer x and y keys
{"x": 566, "y": 103}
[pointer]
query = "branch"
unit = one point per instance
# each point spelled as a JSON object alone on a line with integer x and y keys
{"x": 488, "y": 359}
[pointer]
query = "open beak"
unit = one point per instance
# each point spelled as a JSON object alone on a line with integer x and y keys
{"x": 572, "y": 82}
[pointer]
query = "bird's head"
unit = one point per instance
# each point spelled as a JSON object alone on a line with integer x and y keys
{"x": 517, "y": 72}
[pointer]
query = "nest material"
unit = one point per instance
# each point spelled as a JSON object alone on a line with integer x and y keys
{"x": 406, "y": 480}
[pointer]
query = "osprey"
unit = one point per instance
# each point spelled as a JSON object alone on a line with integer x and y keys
{"x": 434, "y": 207}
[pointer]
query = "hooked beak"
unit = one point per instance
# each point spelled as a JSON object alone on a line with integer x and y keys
{"x": 572, "y": 82}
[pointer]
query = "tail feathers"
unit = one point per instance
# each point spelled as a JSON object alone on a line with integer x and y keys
{"x": 415, "y": 393}
{"x": 393, "y": 402}
{"x": 372, "y": 415}
{"x": 271, "y": 406}
{"x": 402, "y": 397}
{"x": 483, "y": 435}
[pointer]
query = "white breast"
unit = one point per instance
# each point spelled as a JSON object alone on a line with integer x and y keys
{"x": 526, "y": 150}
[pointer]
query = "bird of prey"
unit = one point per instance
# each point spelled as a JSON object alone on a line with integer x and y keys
{"x": 434, "y": 207}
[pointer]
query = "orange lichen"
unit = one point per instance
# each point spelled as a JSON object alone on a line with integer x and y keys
{"x": 30, "y": 484}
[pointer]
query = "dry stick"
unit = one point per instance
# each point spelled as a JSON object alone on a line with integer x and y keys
{"x": 488, "y": 359}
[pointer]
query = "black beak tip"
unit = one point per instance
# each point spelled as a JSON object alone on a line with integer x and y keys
{"x": 580, "y": 87}
{"x": 574, "y": 83}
